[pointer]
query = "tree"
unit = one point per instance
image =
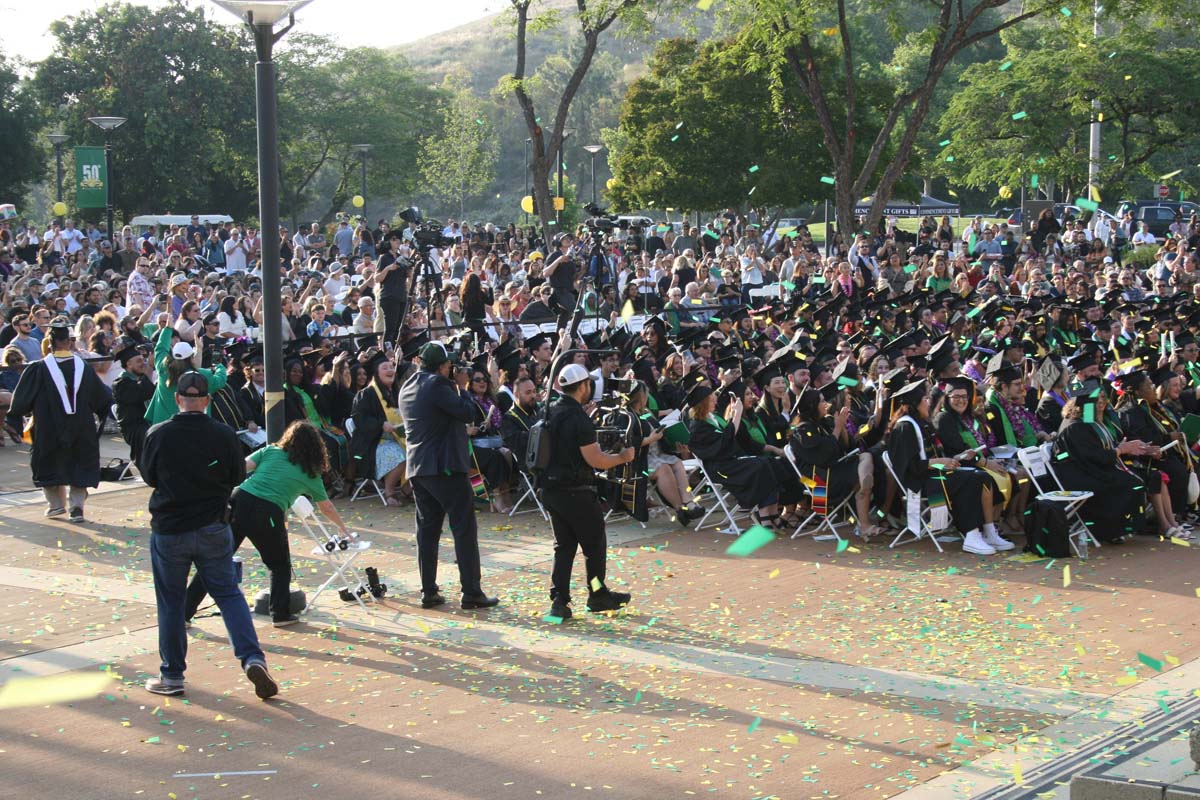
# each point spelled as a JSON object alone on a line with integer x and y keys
{"x": 794, "y": 36}
{"x": 183, "y": 83}
{"x": 330, "y": 99}
{"x": 1147, "y": 113}
{"x": 459, "y": 160}
{"x": 21, "y": 160}
{"x": 704, "y": 131}
{"x": 594, "y": 18}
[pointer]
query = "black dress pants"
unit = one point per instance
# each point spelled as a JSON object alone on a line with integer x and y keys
{"x": 264, "y": 524}
{"x": 392, "y": 309}
{"x": 439, "y": 496}
{"x": 578, "y": 525}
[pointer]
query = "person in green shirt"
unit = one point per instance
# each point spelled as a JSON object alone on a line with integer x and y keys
{"x": 172, "y": 358}
{"x": 278, "y": 474}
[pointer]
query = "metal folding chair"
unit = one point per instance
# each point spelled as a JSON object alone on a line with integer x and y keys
{"x": 1038, "y": 464}
{"x": 722, "y": 504}
{"x": 928, "y": 526}
{"x": 362, "y": 483}
{"x": 529, "y": 494}
{"x": 830, "y": 513}
{"x": 340, "y": 561}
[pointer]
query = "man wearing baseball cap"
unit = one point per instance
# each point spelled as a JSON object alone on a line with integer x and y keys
{"x": 437, "y": 409}
{"x": 568, "y": 490}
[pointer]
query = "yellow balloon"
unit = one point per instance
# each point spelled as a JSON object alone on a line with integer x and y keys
{"x": 357, "y": 200}
{"x": 527, "y": 204}
{"x": 60, "y": 208}
{"x": 612, "y": 182}
{"x": 1005, "y": 192}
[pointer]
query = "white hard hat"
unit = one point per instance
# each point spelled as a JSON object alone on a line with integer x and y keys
{"x": 182, "y": 350}
{"x": 571, "y": 375}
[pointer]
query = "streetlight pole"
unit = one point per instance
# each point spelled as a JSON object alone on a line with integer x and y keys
{"x": 363, "y": 149}
{"x": 261, "y": 16}
{"x": 562, "y": 154}
{"x": 58, "y": 140}
{"x": 593, "y": 149}
{"x": 1094, "y": 132}
{"x": 527, "y": 142}
{"x": 108, "y": 125}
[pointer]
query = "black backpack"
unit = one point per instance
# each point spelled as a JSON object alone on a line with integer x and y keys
{"x": 539, "y": 449}
{"x": 1047, "y": 530}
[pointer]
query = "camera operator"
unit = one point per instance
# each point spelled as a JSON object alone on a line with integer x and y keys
{"x": 436, "y": 411}
{"x": 568, "y": 491}
{"x": 561, "y": 270}
{"x": 392, "y": 280}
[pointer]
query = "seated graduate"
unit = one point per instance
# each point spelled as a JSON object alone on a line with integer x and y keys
{"x": 919, "y": 466}
{"x": 1144, "y": 418}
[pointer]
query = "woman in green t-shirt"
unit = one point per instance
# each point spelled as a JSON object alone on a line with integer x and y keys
{"x": 278, "y": 474}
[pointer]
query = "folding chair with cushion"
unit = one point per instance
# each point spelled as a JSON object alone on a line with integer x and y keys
{"x": 361, "y": 483}
{"x": 1038, "y": 464}
{"x": 820, "y": 507}
{"x": 724, "y": 501}
{"x": 929, "y": 521}
{"x": 529, "y": 494}
{"x": 340, "y": 561}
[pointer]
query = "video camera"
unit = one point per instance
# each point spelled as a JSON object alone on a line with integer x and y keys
{"x": 426, "y": 234}
{"x": 601, "y": 222}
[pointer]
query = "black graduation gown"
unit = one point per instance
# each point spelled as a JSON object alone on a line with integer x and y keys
{"x": 785, "y": 477}
{"x": 253, "y": 404}
{"x": 1049, "y": 411}
{"x": 1086, "y": 460}
{"x": 750, "y": 478}
{"x": 368, "y": 416}
{"x": 66, "y": 447}
{"x": 818, "y": 453}
{"x": 962, "y": 487}
{"x": 1137, "y": 423}
{"x": 514, "y": 430}
{"x": 131, "y": 393}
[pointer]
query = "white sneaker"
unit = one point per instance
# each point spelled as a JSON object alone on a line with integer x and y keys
{"x": 975, "y": 543}
{"x": 996, "y": 541}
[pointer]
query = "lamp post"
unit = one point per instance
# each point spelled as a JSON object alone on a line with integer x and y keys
{"x": 108, "y": 125}
{"x": 363, "y": 149}
{"x": 562, "y": 154}
{"x": 527, "y": 143}
{"x": 261, "y": 16}
{"x": 58, "y": 140}
{"x": 593, "y": 149}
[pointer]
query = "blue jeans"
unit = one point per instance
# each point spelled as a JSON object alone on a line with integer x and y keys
{"x": 211, "y": 549}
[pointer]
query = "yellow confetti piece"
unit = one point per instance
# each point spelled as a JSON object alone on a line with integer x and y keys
{"x": 1172, "y": 660}
{"x": 1198, "y": 591}
{"x": 66, "y": 688}
{"x": 1066, "y": 576}
{"x": 1079, "y": 649}
{"x": 596, "y": 585}
{"x": 788, "y": 738}
{"x": 775, "y": 574}
{"x": 1017, "y": 778}
{"x": 1169, "y": 175}
{"x": 1125, "y": 680}
{"x": 704, "y": 5}
{"x": 853, "y": 550}
{"x": 1180, "y": 542}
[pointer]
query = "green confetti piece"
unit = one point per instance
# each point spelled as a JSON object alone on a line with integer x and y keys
{"x": 637, "y": 698}
{"x": 827, "y": 179}
{"x": 1066, "y": 12}
{"x": 754, "y": 725}
{"x": 754, "y": 168}
{"x": 552, "y": 619}
{"x": 842, "y": 545}
{"x": 153, "y": 740}
{"x": 974, "y": 312}
{"x": 1086, "y": 204}
{"x": 818, "y": 279}
{"x": 949, "y": 158}
{"x": 943, "y": 143}
{"x": 1151, "y": 662}
{"x": 751, "y": 540}
{"x": 752, "y": 188}
{"x": 1033, "y": 181}
{"x": 214, "y": 463}
{"x": 1019, "y": 115}
{"x": 1005, "y": 66}
{"x": 952, "y": 570}
{"x": 791, "y": 287}
{"x": 1060, "y": 456}
{"x": 675, "y": 138}
{"x": 678, "y": 125}
{"x": 1038, "y": 599}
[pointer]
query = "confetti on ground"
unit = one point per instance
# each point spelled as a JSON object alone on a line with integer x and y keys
{"x": 750, "y": 541}
{"x": 54, "y": 689}
{"x": 1151, "y": 662}
{"x": 754, "y": 725}
{"x": 1066, "y": 573}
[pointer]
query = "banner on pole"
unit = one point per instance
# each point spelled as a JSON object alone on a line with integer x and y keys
{"x": 91, "y": 177}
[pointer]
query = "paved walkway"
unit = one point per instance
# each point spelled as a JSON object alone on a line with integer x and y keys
{"x": 798, "y": 672}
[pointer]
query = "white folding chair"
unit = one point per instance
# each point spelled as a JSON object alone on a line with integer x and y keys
{"x": 1038, "y": 464}
{"x": 529, "y": 494}
{"x": 830, "y": 514}
{"x": 929, "y": 527}
{"x": 340, "y": 561}
{"x": 362, "y": 483}
{"x": 722, "y": 504}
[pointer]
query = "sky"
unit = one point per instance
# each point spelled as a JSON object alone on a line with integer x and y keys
{"x": 355, "y": 23}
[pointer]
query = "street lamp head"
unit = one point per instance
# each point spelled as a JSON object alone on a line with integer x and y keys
{"x": 363, "y": 148}
{"x": 107, "y": 123}
{"x": 262, "y": 12}
{"x": 593, "y": 148}
{"x": 57, "y": 138}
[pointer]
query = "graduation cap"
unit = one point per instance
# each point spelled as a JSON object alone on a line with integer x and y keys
{"x": 698, "y": 395}
{"x": 999, "y": 368}
{"x": 941, "y": 355}
{"x": 371, "y": 358}
{"x": 539, "y": 339}
{"x": 413, "y": 345}
{"x": 845, "y": 374}
{"x": 784, "y": 358}
{"x": 237, "y": 351}
{"x": 254, "y": 354}
{"x": 738, "y": 314}
{"x": 727, "y": 357}
{"x": 1130, "y": 381}
{"x": 893, "y": 379}
{"x": 1082, "y": 360}
{"x": 963, "y": 383}
{"x": 829, "y": 391}
{"x": 1161, "y": 375}
{"x": 125, "y": 350}
{"x": 765, "y": 374}
{"x": 910, "y": 393}
{"x": 692, "y": 380}
{"x": 507, "y": 357}
{"x": 1049, "y": 373}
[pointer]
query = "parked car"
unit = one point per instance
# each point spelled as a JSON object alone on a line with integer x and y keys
{"x": 1158, "y": 214}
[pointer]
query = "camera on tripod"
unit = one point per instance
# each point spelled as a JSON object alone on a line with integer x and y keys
{"x": 601, "y": 222}
{"x": 426, "y": 234}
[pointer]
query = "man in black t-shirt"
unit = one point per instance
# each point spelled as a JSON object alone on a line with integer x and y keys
{"x": 568, "y": 491}
{"x": 560, "y": 271}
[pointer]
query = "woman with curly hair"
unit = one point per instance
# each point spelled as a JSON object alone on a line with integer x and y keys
{"x": 278, "y": 474}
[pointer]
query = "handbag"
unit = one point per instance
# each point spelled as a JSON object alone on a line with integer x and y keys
{"x": 113, "y": 470}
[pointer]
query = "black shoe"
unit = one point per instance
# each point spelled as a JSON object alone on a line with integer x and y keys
{"x": 264, "y": 685}
{"x": 481, "y": 601}
{"x": 283, "y": 622}
{"x": 560, "y": 610}
{"x": 604, "y": 600}
{"x": 432, "y": 600}
{"x": 76, "y": 514}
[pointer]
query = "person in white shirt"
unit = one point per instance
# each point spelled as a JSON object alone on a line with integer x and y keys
{"x": 337, "y": 279}
{"x": 1144, "y": 237}
{"x": 1101, "y": 228}
{"x": 69, "y": 240}
{"x": 235, "y": 253}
